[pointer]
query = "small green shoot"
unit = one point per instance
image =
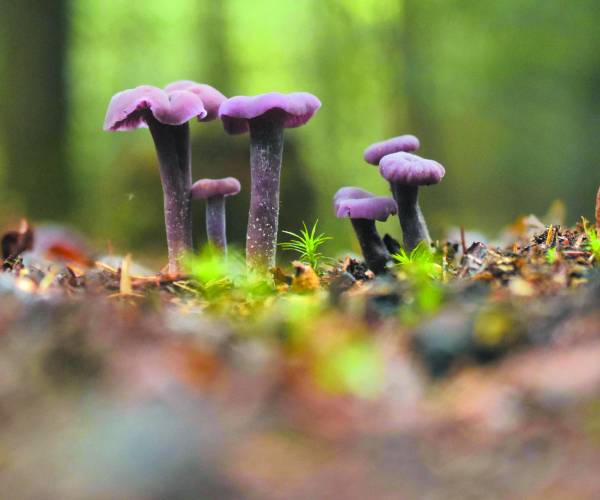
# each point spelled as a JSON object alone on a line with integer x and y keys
{"x": 423, "y": 269}
{"x": 209, "y": 266}
{"x": 420, "y": 261}
{"x": 551, "y": 255}
{"x": 307, "y": 243}
{"x": 225, "y": 278}
{"x": 593, "y": 239}
{"x": 212, "y": 270}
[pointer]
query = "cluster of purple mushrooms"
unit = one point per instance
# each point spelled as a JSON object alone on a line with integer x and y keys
{"x": 167, "y": 112}
{"x": 405, "y": 172}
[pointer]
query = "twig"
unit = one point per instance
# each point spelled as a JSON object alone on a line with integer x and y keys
{"x": 125, "y": 282}
{"x": 575, "y": 253}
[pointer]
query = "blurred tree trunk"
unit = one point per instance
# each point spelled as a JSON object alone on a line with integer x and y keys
{"x": 216, "y": 57}
{"x": 413, "y": 93}
{"x": 34, "y": 110}
{"x": 414, "y": 90}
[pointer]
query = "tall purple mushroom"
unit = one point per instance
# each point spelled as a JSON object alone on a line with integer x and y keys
{"x": 166, "y": 113}
{"x": 406, "y": 172}
{"x": 363, "y": 209}
{"x": 214, "y": 192}
{"x": 265, "y": 116}
{"x": 375, "y": 152}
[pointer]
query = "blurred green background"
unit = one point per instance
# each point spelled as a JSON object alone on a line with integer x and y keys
{"x": 504, "y": 93}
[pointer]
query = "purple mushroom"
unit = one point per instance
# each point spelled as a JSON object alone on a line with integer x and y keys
{"x": 166, "y": 113}
{"x": 375, "y": 152}
{"x": 406, "y": 172}
{"x": 214, "y": 192}
{"x": 363, "y": 209}
{"x": 265, "y": 116}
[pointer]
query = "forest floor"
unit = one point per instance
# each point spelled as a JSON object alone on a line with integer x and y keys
{"x": 472, "y": 372}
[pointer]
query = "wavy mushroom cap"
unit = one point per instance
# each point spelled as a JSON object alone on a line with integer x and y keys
{"x": 210, "y": 96}
{"x": 351, "y": 192}
{"x": 297, "y": 108}
{"x": 127, "y": 109}
{"x": 375, "y": 152}
{"x": 375, "y": 208}
{"x": 411, "y": 170}
{"x": 207, "y": 188}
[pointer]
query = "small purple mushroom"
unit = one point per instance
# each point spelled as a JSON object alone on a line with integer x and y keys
{"x": 405, "y": 173}
{"x": 265, "y": 116}
{"x": 166, "y": 113}
{"x": 375, "y": 152}
{"x": 363, "y": 209}
{"x": 214, "y": 192}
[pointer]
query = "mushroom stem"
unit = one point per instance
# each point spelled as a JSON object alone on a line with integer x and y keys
{"x": 172, "y": 144}
{"x": 215, "y": 222}
{"x": 266, "y": 149}
{"x": 414, "y": 228}
{"x": 372, "y": 247}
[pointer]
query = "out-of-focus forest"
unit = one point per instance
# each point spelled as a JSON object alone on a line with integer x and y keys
{"x": 505, "y": 94}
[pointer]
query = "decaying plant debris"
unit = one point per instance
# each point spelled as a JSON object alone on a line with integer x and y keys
{"x": 464, "y": 372}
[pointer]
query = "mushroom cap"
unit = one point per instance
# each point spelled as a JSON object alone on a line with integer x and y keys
{"x": 297, "y": 109}
{"x": 176, "y": 107}
{"x": 351, "y": 193}
{"x": 411, "y": 170}
{"x": 207, "y": 188}
{"x": 210, "y": 96}
{"x": 375, "y": 152}
{"x": 372, "y": 208}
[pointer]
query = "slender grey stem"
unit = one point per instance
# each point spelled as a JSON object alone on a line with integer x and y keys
{"x": 215, "y": 222}
{"x": 373, "y": 249}
{"x": 266, "y": 150}
{"x": 174, "y": 157}
{"x": 414, "y": 228}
